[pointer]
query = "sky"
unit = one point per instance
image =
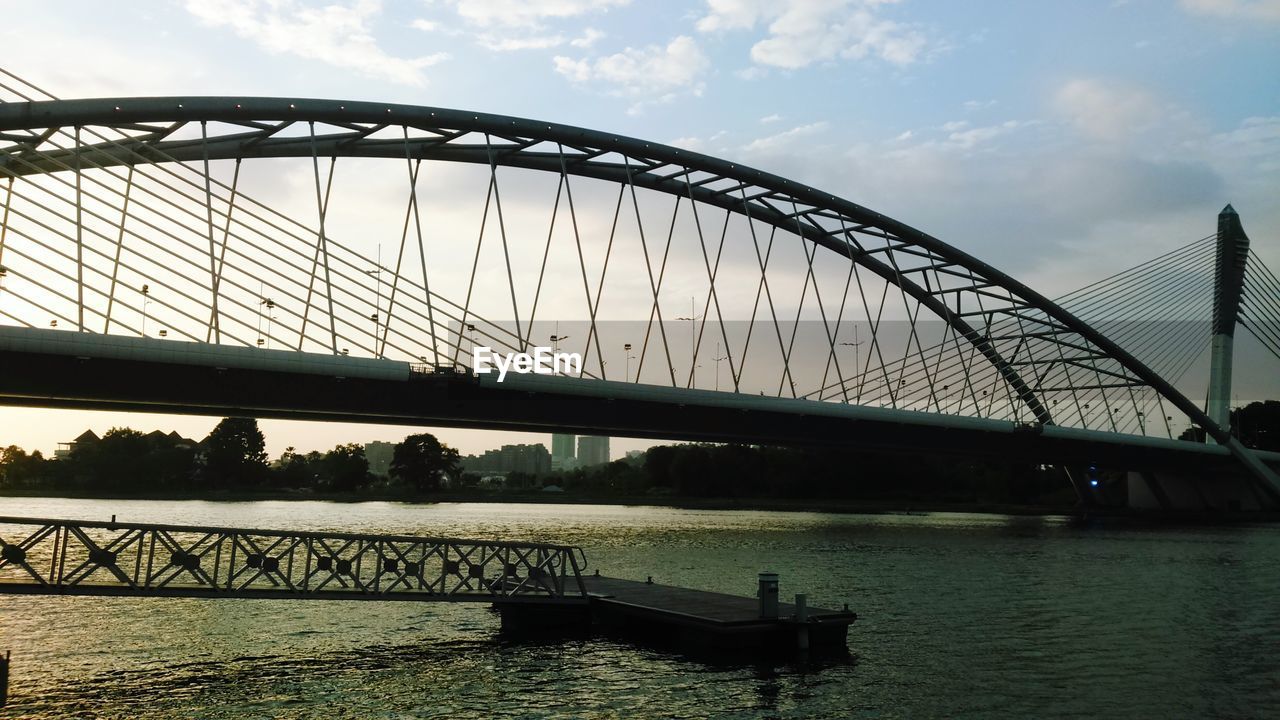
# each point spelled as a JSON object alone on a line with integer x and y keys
{"x": 1058, "y": 141}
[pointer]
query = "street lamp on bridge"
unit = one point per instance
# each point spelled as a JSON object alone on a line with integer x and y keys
{"x": 857, "y": 361}
{"x": 693, "y": 319}
{"x": 717, "y": 357}
{"x": 376, "y": 274}
{"x": 146, "y": 294}
{"x": 556, "y": 341}
{"x": 270, "y": 306}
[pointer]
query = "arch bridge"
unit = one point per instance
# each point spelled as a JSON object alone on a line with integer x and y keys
{"x": 326, "y": 259}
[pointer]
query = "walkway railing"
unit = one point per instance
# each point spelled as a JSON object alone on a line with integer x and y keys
{"x": 72, "y": 557}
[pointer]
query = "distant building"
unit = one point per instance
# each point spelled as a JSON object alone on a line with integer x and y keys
{"x": 379, "y": 455}
{"x": 157, "y": 438}
{"x": 532, "y": 459}
{"x": 563, "y": 455}
{"x": 88, "y": 437}
{"x": 593, "y": 450}
{"x": 565, "y": 464}
{"x": 562, "y": 447}
{"x": 181, "y": 442}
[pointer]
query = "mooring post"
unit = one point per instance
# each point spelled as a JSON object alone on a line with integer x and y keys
{"x": 768, "y": 594}
{"x": 802, "y": 621}
{"x": 4, "y": 679}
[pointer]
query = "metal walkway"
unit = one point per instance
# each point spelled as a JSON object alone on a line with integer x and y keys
{"x": 73, "y": 557}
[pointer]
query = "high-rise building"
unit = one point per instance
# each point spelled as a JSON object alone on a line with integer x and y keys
{"x": 562, "y": 446}
{"x": 531, "y": 459}
{"x": 563, "y": 456}
{"x": 379, "y": 454}
{"x": 593, "y": 450}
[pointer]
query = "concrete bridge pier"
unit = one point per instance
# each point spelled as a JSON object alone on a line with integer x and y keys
{"x": 1174, "y": 492}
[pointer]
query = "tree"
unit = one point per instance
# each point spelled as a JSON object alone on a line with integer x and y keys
{"x": 235, "y": 453}
{"x": 1258, "y": 424}
{"x": 421, "y": 461}
{"x": 119, "y": 459}
{"x": 295, "y": 470}
{"x": 345, "y": 467}
{"x": 17, "y": 468}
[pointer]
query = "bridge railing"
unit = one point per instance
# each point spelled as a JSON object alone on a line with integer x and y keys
{"x": 73, "y": 557}
{"x": 451, "y": 370}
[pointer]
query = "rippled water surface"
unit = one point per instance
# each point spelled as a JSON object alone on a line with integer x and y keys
{"x": 961, "y": 615}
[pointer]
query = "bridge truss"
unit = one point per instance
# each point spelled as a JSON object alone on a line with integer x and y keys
{"x": 254, "y": 222}
{"x": 95, "y": 558}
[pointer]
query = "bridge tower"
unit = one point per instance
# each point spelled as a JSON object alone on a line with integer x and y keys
{"x": 1228, "y": 279}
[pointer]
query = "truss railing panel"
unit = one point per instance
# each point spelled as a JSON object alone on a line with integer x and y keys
{"x": 96, "y": 558}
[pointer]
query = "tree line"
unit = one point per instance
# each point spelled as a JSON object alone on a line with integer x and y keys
{"x": 232, "y": 458}
{"x": 1257, "y": 425}
{"x": 733, "y": 471}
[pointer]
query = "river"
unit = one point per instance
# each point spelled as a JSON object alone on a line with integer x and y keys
{"x": 960, "y": 615}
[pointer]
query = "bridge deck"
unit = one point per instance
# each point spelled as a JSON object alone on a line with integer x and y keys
{"x": 49, "y": 368}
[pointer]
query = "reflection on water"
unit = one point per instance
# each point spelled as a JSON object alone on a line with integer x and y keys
{"x": 973, "y": 615}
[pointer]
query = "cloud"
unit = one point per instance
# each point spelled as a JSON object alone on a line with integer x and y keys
{"x": 1255, "y": 143}
{"x": 770, "y": 119}
{"x": 997, "y": 189}
{"x": 652, "y": 74}
{"x": 695, "y": 144}
{"x": 588, "y": 38}
{"x": 511, "y": 25}
{"x": 500, "y": 43}
{"x": 972, "y": 137}
{"x": 508, "y": 43}
{"x": 773, "y": 143}
{"x": 1104, "y": 111}
{"x": 1135, "y": 187}
{"x": 1265, "y": 10}
{"x": 528, "y": 13}
{"x": 337, "y": 34}
{"x": 802, "y": 32}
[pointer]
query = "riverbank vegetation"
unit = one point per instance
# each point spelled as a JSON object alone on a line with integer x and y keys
{"x": 232, "y": 463}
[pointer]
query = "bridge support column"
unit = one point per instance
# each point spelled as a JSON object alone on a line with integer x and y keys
{"x": 1164, "y": 492}
{"x": 1228, "y": 278}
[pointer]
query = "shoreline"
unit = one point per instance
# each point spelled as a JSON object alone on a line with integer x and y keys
{"x": 809, "y": 505}
{"x": 767, "y": 504}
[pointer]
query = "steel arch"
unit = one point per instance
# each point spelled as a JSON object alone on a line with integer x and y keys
{"x": 824, "y": 219}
